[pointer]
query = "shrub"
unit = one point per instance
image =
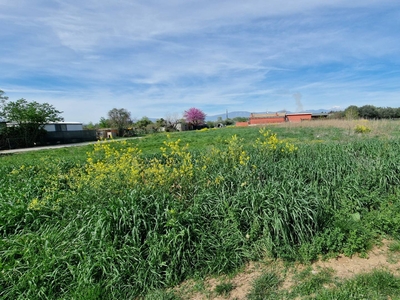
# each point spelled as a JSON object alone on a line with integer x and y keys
{"x": 362, "y": 129}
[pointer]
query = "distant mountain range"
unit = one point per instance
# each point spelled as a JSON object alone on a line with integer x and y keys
{"x": 246, "y": 114}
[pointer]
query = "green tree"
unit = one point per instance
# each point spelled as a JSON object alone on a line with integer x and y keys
{"x": 143, "y": 122}
{"x": 351, "y": 112}
{"x": 90, "y": 126}
{"x": 210, "y": 124}
{"x": 160, "y": 123}
{"x": 240, "y": 119}
{"x": 386, "y": 112}
{"x": 368, "y": 112}
{"x": 228, "y": 122}
{"x": 120, "y": 118}
{"x": 29, "y": 117}
{"x": 104, "y": 123}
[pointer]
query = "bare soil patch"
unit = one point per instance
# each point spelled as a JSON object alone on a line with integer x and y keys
{"x": 380, "y": 257}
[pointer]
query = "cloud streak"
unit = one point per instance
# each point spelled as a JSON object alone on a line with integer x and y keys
{"x": 158, "y": 57}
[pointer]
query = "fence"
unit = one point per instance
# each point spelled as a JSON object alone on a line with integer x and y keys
{"x": 12, "y": 143}
{"x": 67, "y": 137}
{"x": 49, "y": 138}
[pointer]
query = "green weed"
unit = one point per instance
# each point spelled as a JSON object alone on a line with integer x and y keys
{"x": 394, "y": 246}
{"x": 224, "y": 288}
{"x": 265, "y": 287}
{"x": 375, "y": 285}
{"x": 310, "y": 282}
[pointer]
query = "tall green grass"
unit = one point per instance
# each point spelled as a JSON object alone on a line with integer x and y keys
{"x": 119, "y": 240}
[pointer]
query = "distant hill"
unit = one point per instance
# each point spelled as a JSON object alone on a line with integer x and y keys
{"x": 231, "y": 115}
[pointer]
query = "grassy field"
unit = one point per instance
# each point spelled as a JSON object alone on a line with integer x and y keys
{"x": 128, "y": 219}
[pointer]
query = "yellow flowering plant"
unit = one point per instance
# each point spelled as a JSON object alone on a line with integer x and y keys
{"x": 362, "y": 129}
{"x": 119, "y": 165}
{"x": 270, "y": 142}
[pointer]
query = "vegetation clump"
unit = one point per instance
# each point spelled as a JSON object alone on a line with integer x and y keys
{"x": 362, "y": 129}
{"x": 224, "y": 288}
{"x": 265, "y": 287}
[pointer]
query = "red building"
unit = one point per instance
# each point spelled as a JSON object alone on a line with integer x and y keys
{"x": 257, "y": 119}
{"x": 261, "y": 119}
{"x": 241, "y": 124}
{"x": 298, "y": 117}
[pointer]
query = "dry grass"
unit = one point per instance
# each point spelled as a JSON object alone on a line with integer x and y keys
{"x": 382, "y": 128}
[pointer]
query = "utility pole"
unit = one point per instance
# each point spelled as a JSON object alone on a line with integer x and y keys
{"x": 227, "y": 114}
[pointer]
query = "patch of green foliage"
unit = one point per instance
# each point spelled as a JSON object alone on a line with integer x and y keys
{"x": 265, "y": 287}
{"x": 375, "y": 285}
{"x": 395, "y": 246}
{"x": 224, "y": 288}
{"x": 309, "y": 282}
{"x": 161, "y": 295}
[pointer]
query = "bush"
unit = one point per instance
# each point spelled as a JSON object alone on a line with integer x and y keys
{"x": 362, "y": 129}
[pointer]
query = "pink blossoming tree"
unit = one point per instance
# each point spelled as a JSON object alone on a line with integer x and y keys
{"x": 194, "y": 116}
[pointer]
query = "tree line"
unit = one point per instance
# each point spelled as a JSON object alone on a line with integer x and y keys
{"x": 368, "y": 112}
{"x": 193, "y": 118}
{"x": 24, "y": 121}
{"x": 120, "y": 119}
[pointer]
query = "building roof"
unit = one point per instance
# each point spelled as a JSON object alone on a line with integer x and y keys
{"x": 67, "y": 123}
{"x": 299, "y": 113}
{"x": 320, "y": 114}
{"x": 273, "y": 115}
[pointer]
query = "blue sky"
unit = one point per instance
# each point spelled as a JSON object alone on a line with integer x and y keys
{"x": 158, "y": 58}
